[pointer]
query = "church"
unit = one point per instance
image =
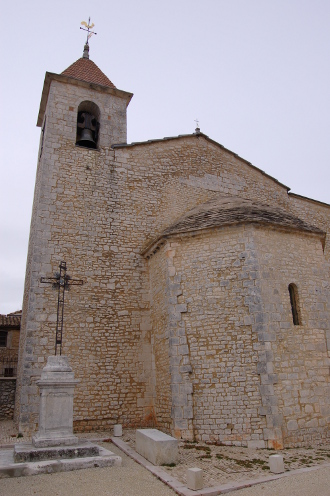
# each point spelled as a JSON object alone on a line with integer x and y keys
{"x": 204, "y": 303}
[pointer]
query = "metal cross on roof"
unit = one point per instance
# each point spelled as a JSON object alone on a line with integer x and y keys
{"x": 61, "y": 281}
{"x": 89, "y": 26}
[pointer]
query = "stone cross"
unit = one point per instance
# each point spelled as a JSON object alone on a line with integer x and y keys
{"x": 62, "y": 281}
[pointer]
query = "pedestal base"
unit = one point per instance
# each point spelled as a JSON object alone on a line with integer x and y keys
{"x": 47, "y": 441}
{"x": 26, "y": 452}
{"x": 56, "y": 387}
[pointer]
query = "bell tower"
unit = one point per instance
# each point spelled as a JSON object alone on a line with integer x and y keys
{"x": 90, "y": 108}
{"x": 82, "y": 114}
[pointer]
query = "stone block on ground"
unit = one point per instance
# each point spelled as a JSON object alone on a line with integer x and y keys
{"x": 195, "y": 478}
{"x": 157, "y": 447}
{"x": 276, "y": 464}
{"x": 118, "y": 430}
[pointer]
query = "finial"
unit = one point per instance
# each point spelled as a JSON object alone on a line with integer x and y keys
{"x": 197, "y": 130}
{"x": 86, "y": 51}
{"x": 90, "y": 33}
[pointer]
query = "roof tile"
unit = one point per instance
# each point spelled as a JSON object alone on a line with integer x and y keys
{"x": 10, "y": 321}
{"x": 86, "y": 70}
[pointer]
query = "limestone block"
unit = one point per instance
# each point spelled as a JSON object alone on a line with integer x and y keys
{"x": 195, "y": 478}
{"x": 276, "y": 464}
{"x": 118, "y": 430}
{"x": 157, "y": 447}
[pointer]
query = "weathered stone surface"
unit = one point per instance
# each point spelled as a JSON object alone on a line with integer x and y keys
{"x": 27, "y": 452}
{"x": 8, "y": 468}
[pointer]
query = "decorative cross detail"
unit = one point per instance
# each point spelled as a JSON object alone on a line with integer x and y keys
{"x": 89, "y": 26}
{"x": 197, "y": 123}
{"x": 62, "y": 282}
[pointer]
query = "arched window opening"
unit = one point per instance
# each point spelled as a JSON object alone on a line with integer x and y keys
{"x": 88, "y": 125}
{"x": 293, "y": 291}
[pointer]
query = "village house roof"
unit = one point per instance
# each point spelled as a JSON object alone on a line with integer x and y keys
{"x": 11, "y": 321}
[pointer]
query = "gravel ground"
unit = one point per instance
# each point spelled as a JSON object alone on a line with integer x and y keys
{"x": 225, "y": 464}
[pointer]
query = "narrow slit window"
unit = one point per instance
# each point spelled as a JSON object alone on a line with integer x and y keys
{"x": 294, "y": 304}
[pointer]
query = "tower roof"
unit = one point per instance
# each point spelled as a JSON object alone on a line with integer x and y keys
{"x": 86, "y": 70}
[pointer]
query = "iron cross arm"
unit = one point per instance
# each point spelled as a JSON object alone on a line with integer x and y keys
{"x": 67, "y": 282}
{"x": 62, "y": 282}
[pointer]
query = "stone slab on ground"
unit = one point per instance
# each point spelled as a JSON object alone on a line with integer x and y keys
{"x": 8, "y": 467}
{"x": 26, "y": 452}
{"x": 157, "y": 447}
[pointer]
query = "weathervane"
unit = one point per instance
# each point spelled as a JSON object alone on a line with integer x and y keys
{"x": 89, "y": 26}
{"x": 197, "y": 130}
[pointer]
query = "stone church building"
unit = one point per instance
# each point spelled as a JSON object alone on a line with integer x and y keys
{"x": 205, "y": 304}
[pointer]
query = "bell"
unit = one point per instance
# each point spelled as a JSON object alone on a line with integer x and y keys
{"x": 86, "y": 139}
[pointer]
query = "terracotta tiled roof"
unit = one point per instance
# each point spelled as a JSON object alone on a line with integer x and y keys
{"x": 10, "y": 321}
{"x": 85, "y": 70}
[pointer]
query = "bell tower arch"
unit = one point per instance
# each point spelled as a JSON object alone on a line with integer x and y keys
{"x": 88, "y": 125}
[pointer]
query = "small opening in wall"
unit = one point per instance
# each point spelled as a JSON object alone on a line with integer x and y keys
{"x": 88, "y": 125}
{"x": 293, "y": 291}
{"x": 3, "y": 339}
{"x": 9, "y": 372}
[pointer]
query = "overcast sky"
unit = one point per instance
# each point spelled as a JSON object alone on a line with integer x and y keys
{"x": 256, "y": 73}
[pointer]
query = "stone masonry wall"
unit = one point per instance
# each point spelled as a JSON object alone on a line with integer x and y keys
{"x": 98, "y": 210}
{"x": 160, "y": 341}
{"x": 7, "y": 397}
{"x": 300, "y": 365}
{"x": 218, "y": 281}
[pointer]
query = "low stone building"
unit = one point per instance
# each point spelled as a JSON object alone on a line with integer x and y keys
{"x": 205, "y": 304}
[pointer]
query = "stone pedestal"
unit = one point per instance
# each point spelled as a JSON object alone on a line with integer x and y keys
{"x": 194, "y": 479}
{"x": 118, "y": 430}
{"x": 54, "y": 448}
{"x": 56, "y": 386}
{"x": 276, "y": 464}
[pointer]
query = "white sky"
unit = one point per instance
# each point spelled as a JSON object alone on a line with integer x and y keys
{"x": 256, "y": 74}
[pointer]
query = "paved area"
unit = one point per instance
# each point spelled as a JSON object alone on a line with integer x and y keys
{"x": 229, "y": 464}
{"x": 225, "y": 467}
{"x": 315, "y": 483}
{"x": 131, "y": 479}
